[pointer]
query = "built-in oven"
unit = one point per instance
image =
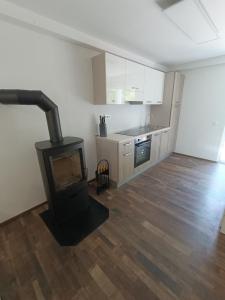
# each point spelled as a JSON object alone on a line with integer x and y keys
{"x": 142, "y": 151}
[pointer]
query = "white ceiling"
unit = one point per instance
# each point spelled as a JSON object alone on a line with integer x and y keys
{"x": 136, "y": 25}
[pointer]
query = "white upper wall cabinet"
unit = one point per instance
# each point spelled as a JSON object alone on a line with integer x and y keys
{"x": 134, "y": 82}
{"x": 115, "y": 79}
{"x": 158, "y": 87}
{"x": 109, "y": 79}
{"x": 153, "y": 86}
{"x": 149, "y": 86}
{"x": 120, "y": 81}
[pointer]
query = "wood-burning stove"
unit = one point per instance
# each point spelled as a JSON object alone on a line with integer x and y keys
{"x": 72, "y": 214}
{"x": 61, "y": 159}
{"x": 64, "y": 175}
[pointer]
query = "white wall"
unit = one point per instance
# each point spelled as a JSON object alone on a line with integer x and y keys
{"x": 31, "y": 60}
{"x": 202, "y": 119}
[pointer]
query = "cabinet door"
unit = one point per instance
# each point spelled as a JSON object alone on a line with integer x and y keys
{"x": 134, "y": 81}
{"x": 172, "y": 139}
{"x": 164, "y": 144}
{"x": 154, "y": 86}
{"x": 126, "y": 166}
{"x": 155, "y": 147}
{"x": 115, "y": 79}
{"x": 175, "y": 114}
{"x": 178, "y": 88}
{"x": 158, "y": 87}
{"x": 149, "y": 86}
{"x": 126, "y": 160}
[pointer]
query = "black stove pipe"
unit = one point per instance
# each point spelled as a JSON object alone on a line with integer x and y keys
{"x": 26, "y": 97}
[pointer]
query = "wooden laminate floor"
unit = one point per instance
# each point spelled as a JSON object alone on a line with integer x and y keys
{"x": 161, "y": 241}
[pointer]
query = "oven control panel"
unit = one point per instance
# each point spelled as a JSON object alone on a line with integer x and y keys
{"x": 143, "y": 139}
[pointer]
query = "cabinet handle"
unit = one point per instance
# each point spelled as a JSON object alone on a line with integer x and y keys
{"x": 159, "y": 101}
{"x": 127, "y": 154}
{"x": 127, "y": 144}
{"x": 134, "y": 88}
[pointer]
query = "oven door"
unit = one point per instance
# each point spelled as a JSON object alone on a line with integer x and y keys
{"x": 142, "y": 153}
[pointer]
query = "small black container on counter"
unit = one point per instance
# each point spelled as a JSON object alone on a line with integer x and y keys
{"x": 102, "y": 127}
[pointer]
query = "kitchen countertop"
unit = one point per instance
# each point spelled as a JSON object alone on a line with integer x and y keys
{"x": 137, "y": 131}
{"x": 115, "y": 137}
{"x": 118, "y": 137}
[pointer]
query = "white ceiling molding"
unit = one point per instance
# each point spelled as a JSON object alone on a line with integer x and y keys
{"x": 191, "y": 17}
{"x": 16, "y": 14}
{"x": 199, "y": 64}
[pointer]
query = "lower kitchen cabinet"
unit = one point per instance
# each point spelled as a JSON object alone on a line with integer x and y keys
{"x": 155, "y": 147}
{"x": 120, "y": 155}
{"x": 164, "y": 144}
{"x": 175, "y": 114}
{"x": 126, "y": 160}
{"x": 120, "y": 152}
{"x": 160, "y": 145}
{"x": 108, "y": 149}
{"x": 172, "y": 139}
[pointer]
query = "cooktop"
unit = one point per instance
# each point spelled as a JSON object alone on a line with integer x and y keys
{"x": 140, "y": 130}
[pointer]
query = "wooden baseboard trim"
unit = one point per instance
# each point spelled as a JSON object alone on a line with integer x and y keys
{"x": 21, "y": 214}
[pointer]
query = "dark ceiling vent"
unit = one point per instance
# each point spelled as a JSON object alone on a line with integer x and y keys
{"x": 164, "y": 4}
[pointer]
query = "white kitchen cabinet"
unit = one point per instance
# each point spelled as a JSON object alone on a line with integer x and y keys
{"x": 155, "y": 147}
{"x": 109, "y": 79}
{"x": 164, "y": 144}
{"x": 153, "y": 86}
{"x": 149, "y": 86}
{"x": 159, "y": 86}
{"x": 135, "y": 74}
{"x": 119, "y": 81}
{"x": 115, "y": 79}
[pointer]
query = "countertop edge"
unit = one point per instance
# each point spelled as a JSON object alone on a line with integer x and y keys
{"x": 116, "y": 137}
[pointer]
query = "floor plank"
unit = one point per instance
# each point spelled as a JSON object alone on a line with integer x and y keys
{"x": 162, "y": 241}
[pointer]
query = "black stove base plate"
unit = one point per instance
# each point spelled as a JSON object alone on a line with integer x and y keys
{"x": 75, "y": 230}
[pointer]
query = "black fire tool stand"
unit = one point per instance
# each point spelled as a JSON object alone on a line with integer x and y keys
{"x": 102, "y": 176}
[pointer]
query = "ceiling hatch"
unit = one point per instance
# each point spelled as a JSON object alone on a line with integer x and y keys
{"x": 216, "y": 11}
{"x": 191, "y": 17}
